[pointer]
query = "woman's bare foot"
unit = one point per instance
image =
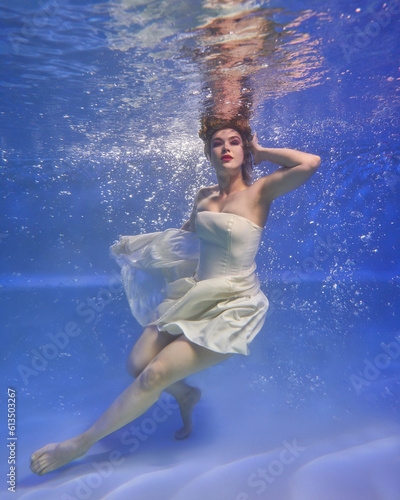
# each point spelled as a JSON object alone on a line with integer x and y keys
{"x": 55, "y": 455}
{"x": 186, "y": 406}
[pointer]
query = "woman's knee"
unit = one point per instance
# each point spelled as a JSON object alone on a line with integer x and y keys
{"x": 150, "y": 343}
{"x": 153, "y": 377}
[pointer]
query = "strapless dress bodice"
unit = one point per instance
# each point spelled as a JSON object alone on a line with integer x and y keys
{"x": 228, "y": 244}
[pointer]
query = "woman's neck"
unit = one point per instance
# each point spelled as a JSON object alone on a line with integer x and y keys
{"x": 228, "y": 185}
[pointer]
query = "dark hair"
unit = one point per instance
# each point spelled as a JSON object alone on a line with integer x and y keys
{"x": 211, "y": 125}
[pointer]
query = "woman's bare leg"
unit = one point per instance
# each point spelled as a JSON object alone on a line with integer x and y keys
{"x": 176, "y": 361}
{"x": 150, "y": 343}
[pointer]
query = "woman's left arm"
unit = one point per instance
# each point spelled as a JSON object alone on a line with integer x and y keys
{"x": 297, "y": 168}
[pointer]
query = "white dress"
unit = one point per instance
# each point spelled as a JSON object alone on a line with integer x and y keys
{"x": 202, "y": 284}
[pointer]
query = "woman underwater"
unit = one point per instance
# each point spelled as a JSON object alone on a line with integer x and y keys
{"x": 199, "y": 318}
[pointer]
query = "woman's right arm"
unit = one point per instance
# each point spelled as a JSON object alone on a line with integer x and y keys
{"x": 202, "y": 193}
{"x": 189, "y": 224}
{"x": 186, "y": 226}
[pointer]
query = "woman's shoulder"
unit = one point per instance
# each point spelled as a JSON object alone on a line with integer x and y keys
{"x": 206, "y": 191}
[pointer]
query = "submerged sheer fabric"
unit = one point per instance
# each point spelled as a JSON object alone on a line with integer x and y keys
{"x": 200, "y": 284}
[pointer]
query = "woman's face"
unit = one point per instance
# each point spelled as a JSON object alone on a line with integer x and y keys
{"x": 227, "y": 152}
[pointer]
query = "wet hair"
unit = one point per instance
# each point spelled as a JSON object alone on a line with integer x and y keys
{"x": 210, "y": 125}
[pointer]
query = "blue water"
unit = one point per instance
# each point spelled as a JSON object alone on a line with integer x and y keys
{"x": 100, "y": 109}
